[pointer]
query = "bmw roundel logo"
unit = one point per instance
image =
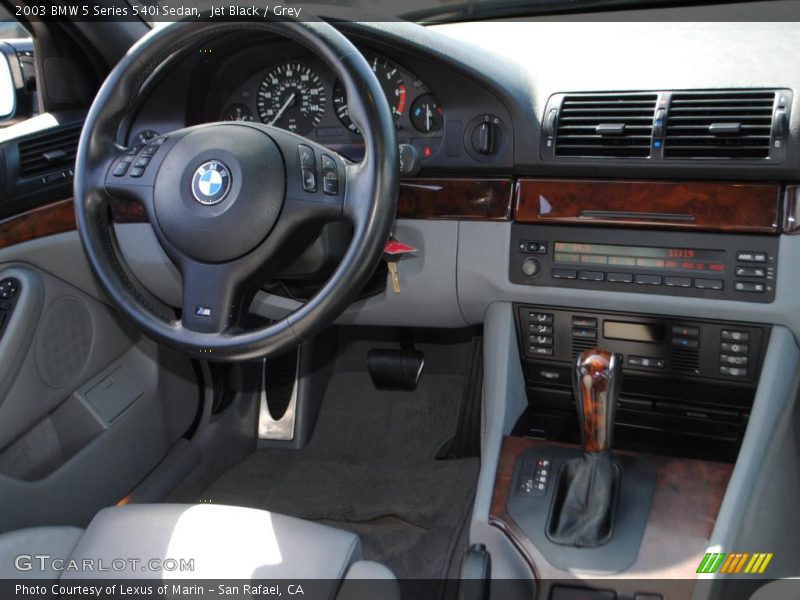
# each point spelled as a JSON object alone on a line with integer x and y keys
{"x": 211, "y": 183}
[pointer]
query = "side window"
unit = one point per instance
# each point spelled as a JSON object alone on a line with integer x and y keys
{"x": 17, "y": 72}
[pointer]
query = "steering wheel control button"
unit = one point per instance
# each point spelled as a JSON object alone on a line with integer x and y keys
{"x": 309, "y": 180}
{"x": 8, "y": 288}
{"x": 307, "y": 158}
{"x": 122, "y": 167}
{"x": 211, "y": 183}
{"x": 330, "y": 176}
{"x": 153, "y": 146}
{"x": 137, "y": 171}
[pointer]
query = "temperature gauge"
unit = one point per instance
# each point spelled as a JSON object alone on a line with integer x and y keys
{"x": 426, "y": 114}
{"x": 237, "y": 112}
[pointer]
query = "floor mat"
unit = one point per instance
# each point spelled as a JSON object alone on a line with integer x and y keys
{"x": 371, "y": 468}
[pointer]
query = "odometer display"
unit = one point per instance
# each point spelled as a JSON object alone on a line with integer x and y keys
{"x": 292, "y": 97}
{"x": 674, "y": 259}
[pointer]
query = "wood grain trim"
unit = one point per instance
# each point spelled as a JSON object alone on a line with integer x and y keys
{"x": 58, "y": 217}
{"x": 706, "y": 206}
{"x": 685, "y": 505}
{"x": 467, "y": 199}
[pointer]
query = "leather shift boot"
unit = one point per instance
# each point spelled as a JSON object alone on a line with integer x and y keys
{"x": 582, "y": 511}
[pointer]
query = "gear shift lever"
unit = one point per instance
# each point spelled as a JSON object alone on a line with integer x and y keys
{"x": 583, "y": 507}
{"x": 596, "y": 381}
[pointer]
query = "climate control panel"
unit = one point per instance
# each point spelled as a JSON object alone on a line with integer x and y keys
{"x": 656, "y": 346}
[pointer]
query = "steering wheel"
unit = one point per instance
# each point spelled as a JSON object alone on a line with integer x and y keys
{"x": 228, "y": 200}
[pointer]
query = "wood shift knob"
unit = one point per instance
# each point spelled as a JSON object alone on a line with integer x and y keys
{"x": 596, "y": 380}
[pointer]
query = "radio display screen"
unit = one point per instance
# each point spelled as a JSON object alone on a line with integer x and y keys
{"x": 642, "y": 257}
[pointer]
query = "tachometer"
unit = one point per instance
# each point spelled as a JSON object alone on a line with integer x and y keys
{"x": 291, "y": 96}
{"x": 392, "y": 82}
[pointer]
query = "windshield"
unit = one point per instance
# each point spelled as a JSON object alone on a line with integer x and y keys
{"x": 9, "y": 28}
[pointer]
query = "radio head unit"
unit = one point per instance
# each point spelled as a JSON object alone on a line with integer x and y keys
{"x": 704, "y": 265}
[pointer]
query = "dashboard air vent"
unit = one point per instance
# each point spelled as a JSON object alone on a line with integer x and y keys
{"x": 581, "y": 344}
{"x": 49, "y": 151}
{"x": 617, "y": 125}
{"x": 725, "y": 125}
{"x": 685, "y": 360}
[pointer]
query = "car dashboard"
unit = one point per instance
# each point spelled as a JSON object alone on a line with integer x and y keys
{"x": 632, "y": 186}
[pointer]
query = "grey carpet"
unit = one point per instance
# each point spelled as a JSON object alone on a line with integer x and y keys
{"x": 371, "y": 468}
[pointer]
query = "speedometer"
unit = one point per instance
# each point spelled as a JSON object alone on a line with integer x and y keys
{"x": 292, "y": 97}
{"x": 392, "y": 83}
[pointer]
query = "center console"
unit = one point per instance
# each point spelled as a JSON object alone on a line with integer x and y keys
{"x": 688, "y": 384}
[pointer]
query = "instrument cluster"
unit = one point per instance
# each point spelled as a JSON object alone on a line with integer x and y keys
{"x": 301, "y": 94}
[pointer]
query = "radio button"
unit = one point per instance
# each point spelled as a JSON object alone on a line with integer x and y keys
{"x": 736, "y": 361}
{"x": 564, "y": 274}
{"x": 619, "y": 277}
{"x": 648, "y": 279}
{"x": 681, "y": 342}
{"x": 730, "y": 335}
{"x": 749, "y": 256}
{"x": 751, "y": 272}
{"x": 734, "y": 348}
{"x": 592, "y": 275}
{"x": 531, "y": 267}
{"x": 708, "y": 284}
{"x": 678, "y": 282}
{"x": 749, "y": 286}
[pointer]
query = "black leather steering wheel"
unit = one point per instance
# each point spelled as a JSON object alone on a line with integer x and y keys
{"x": 225, "y": 199}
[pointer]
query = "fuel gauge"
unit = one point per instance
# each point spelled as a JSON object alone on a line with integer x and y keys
{"x": 426, "y": 114}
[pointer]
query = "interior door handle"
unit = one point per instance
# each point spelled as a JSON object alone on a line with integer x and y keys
{"x": 17, "y": 333}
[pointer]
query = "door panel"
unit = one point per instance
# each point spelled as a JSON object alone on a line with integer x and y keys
{"x": 88, "y": 407}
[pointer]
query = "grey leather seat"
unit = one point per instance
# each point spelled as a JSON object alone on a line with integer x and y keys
{"x": 149, "y": 541}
